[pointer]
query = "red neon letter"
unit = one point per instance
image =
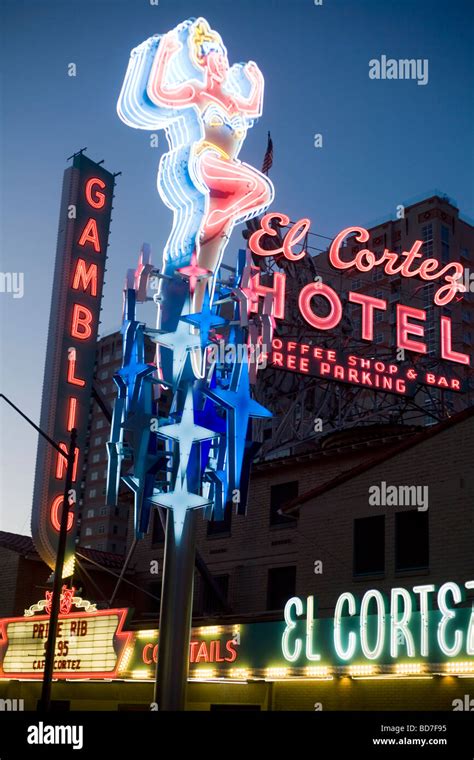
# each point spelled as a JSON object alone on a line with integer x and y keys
{"x": 81, "y": 322}
{"x": 90, "y": 235}
{"x": 146, "y": 659}
{"x": 55, "y": 517}
{"x": 293, "y": 236}
{"x": 85, "y": 276}
{"x": 446, "y": 344}
{"x": 61, "y": 463}
{"x": 99, "y": 200}
{"x": 71, "y": 366}
{"x": 405, "y": 328}
{"x": 278, "y": 292}
{"x": 361, "y": 237}
{"x": 304, "y": 302}
{"x": 71, "y": 414}
{"x": 368, "y": 304}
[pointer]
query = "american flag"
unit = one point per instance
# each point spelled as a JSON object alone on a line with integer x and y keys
{"x": 268, "y": 160}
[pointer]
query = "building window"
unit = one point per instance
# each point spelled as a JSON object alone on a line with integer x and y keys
{"x": 379, "y": 338}
{"x": 103, "y": 374}
{"x": 411, "y": 540}
{"x": 281, "y": 586}
{"x": 92, "y": 493}
{"x": 355, "y": 284}
{"x": 280, "y": 494}
{"x": 90, "y": 513}
{"x": 427, "y": 237}
{"x": 101, "y": 529}
{"x": 115, "y": 530}
{"x": 98, "y": 440}
{"x": 103, "y": 511}
{"x": 99, "y": 424}
{"x": 216, "y": 527}
{"x": 95, "y": 458}
{"x": 369, "y": 545}
{"x": 444, "y": 243}
{"x": 88, "y": 531}
{"x": 100, "y": 547}
{"x": 94, "y": 475}
{"x": 210, "y": 600}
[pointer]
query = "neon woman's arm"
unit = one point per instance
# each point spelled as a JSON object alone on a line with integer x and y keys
{"x": 252, "y": 106}
{"x": 164, "y": 94}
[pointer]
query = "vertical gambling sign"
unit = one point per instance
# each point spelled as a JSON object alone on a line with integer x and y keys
{"x": 84, "y": 224}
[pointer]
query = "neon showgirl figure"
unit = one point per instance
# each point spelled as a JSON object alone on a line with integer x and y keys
{"x": 182, "y": 82}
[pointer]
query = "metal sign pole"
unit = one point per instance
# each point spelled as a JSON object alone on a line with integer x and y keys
{"x": 176, "y": 613}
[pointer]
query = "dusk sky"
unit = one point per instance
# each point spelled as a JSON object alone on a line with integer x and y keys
{"x": 384, "y": 142}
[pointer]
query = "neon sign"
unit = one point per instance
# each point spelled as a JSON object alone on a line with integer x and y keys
{"x": 77, "y": 290}
{"x": 88, "y": 645}
{"x": 409, "y": 320}
{"x": 380, "y": 628}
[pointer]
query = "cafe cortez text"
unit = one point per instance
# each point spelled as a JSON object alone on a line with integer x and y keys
{"x": 321, "y": 306}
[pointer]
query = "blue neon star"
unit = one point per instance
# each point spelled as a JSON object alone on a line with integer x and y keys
{"x": 240, "y": 407}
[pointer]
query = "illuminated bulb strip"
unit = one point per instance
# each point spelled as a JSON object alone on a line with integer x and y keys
{"x": 210, "y": 630}
{"x": 459, "y": 667}
{"x": 410, "y": 667}
{"x": 240, "y": 673}
{"x": 317, "y": 671}
{"x": 126, "y": 657}
{"x": 143, "y": 675}
{"x": 204, "y": 673}
{"x": 363, "y": 670}
{"x": 277, "y": 673}
{"x": 147, "y": 635}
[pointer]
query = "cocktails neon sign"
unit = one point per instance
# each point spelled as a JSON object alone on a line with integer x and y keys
{"x": 407, "y": 265}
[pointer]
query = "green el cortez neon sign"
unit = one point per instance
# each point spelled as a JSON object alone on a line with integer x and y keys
{"x": 382, "y": 629}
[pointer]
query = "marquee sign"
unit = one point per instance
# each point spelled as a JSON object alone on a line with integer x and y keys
{"x": 321, "y": 307}
{"x": 88, "y": 645}
{"x": 84, "y": 223}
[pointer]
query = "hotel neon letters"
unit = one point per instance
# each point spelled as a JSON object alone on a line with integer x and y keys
{"x": 405, "y": 264}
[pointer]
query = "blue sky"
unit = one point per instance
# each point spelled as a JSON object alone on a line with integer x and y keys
{"x": 383, "y": 142}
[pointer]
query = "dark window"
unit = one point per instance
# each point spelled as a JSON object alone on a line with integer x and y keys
{"x": 115, "y": 530}
{"x": 412, "y": 546}
{"x": 369, "y": 545}
{"x": 214, "y": 527}
{"x": 281, "y": 586}
{"x": 157, "y": 532}
{"x": 210, "y": 600}
{"x": 279, "y": 495}
{"x": 152, "y": 603}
